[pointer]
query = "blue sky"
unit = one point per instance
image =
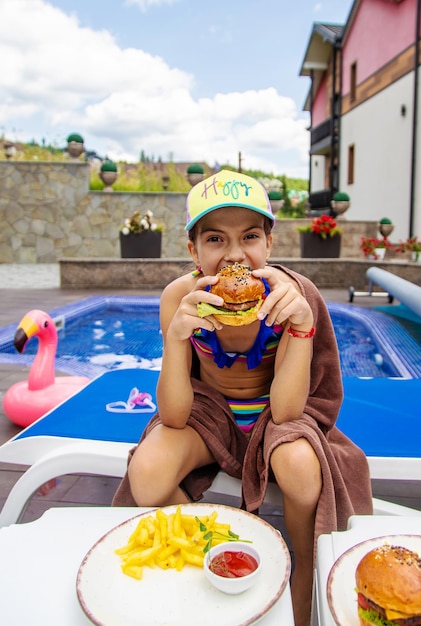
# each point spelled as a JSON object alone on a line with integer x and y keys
{"x": 182, "y": 79}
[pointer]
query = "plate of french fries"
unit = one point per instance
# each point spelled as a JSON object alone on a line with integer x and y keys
{"x": 148, "y": 571}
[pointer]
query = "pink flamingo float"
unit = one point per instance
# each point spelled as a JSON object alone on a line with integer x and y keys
{"x": 26, "y": 401}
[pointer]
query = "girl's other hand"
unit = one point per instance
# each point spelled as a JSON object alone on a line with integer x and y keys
{"x": 186, "y": 318}
{"x": 285, "y": 302}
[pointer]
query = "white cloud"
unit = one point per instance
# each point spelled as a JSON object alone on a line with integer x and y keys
{"x": 144, "y": 5}
{"x": 61, "y": 78}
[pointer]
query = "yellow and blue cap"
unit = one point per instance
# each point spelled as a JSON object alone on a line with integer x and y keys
{"x": 226, "y": 188}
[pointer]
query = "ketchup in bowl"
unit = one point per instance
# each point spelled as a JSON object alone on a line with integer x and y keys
{"x": 233, "y": 564}
{"x": 232, "y": 567}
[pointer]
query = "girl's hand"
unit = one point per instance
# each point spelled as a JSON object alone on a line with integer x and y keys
{"x": 186, "y": 318}
{"x": 284, "y": 303}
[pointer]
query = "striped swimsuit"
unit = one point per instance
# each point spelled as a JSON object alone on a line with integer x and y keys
{"x": 206, "y": 342}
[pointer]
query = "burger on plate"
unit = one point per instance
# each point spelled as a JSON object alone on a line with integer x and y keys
{"x": 243, "y": 296}
{"x": 389, "y": 587}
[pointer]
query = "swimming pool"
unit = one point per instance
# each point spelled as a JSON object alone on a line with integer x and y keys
{"x": 103, "y": 333}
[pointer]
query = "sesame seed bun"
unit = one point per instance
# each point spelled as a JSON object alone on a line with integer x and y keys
{"x": 390, "y": 577}
{"x": 243, "y": 295}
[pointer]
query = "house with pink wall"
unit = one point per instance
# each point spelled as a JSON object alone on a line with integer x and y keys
{"x": 365, "y": 110}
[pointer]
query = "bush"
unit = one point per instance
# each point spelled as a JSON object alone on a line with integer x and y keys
{"x": 108, "y": 166}
{"x": 340, "y": 196}
{"x": 75, "y": 137}
{"x": 195, "y": 168}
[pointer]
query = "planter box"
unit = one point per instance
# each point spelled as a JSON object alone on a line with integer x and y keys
{"x": 313, "y": 246}
{"x": 146, "y": 245}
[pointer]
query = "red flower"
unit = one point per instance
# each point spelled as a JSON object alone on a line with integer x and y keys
{"x": 369, "y": 244}
{"x": 323, "y": 225}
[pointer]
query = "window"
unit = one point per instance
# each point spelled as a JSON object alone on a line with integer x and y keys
{"x": 353, "y": 82}
{"x": 351, "y": 163}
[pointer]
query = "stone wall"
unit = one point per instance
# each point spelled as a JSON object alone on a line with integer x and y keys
{"x": 47, "y": 213}
{"x": 157, "y": 273}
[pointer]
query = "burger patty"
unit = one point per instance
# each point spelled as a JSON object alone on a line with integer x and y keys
{"x": 240, "y": 306}
{"x": 411, "y": 621}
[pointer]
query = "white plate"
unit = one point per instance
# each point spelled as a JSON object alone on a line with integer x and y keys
{"x": 186, "y": 598}
{"x": 341, "y": 594}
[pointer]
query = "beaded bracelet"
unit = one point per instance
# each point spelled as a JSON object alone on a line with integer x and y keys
{"x": 301, "y": 334}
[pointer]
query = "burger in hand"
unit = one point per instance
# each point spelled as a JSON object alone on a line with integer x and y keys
{"x": 389, "y": 587}
{"x": 243, "y": 296}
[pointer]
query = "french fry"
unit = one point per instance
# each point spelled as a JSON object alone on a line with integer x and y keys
{"x": 163, "y": 524}
{"x": 177, "y": 522}
{"x": 193, "y": 559}
{"x": 180, "y": 563}
{"x": 143, "y": 537}
{"x": 212, "y": 518}
{"x": 157, "y": 538}
{"x": 170, "y": 541}
{"x": 140, "y": 557}
{"x": 166, "y": 552}
{"x": 133, "y": 571}
{"x": 181, "y": 543}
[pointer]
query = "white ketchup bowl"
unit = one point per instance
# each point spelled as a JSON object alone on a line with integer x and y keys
{"x": 232, "y": 585}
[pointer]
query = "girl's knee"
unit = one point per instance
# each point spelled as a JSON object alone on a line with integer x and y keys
{"x": 140, "y": 464}
{"x": 295, "y": 456}
{"x": 297, "y": 470}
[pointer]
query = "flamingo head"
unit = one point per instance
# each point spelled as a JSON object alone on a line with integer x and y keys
{"x": 36, "y": 323}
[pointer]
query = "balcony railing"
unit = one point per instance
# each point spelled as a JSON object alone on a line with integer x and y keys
{"x": 320, "y": 200}
{"x": 320, "y": 132}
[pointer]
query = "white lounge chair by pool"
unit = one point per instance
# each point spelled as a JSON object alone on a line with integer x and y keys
{"x": 80, "y": 436}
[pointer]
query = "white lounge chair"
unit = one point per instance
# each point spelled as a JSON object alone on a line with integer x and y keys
{"x": 81, "y": 437}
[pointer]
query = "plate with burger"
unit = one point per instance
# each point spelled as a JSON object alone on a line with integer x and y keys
{"x": 377, "y": 583}
{"x": 243, "y": 295}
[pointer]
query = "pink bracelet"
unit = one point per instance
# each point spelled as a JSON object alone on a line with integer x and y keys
{"x": 301, "y": 334}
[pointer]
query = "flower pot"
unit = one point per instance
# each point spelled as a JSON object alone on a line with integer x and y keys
{"x": 75, "y": 149}
{"x": 416, "y": 257}
{"x": 145, "y": 245}
{"x": 108, "y": 178}
{"x": 386, "y": 229}
{"x": 313, "y": 246}
{"x": 276, "y": 205}
{"x": 340, "y": 206}
{"x": 378, "y": 254}
{"x": 194, "y": 178}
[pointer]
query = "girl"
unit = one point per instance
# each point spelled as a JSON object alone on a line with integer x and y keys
{"x": 265, "y": 407}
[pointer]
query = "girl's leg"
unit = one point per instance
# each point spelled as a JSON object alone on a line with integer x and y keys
{"x": 160, "y": 463}
{"x": 298, "y": 474}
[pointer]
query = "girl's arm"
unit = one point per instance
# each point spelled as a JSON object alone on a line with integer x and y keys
{"x": 178, "y": 315}
{"x": 291, "y": 383}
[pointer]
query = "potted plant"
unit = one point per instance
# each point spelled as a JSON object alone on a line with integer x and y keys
{"x": 340, "y": 203}
{"x": 412, "y": 245}
{"x": 108, "y": 174}
{"x": 9, "y": 150}
{"x": 321, "y": 238}
{"x": 276, "y": 200}
{"x": 140, "y": 237}
{"x": 195, "y": 173}
{"x": 385, "y": 227}
{"x": 75, "y": 145}
{"x": 374, "y": 248}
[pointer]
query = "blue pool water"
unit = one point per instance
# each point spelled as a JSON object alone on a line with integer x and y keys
{"x": 103, "y": 333}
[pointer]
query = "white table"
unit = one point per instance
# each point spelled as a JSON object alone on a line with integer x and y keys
{"x": 39, "y": 562}
{"x": 331, "y": 547}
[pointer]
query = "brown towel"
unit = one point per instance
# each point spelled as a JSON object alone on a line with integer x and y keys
{"x": 346, "y": 481}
